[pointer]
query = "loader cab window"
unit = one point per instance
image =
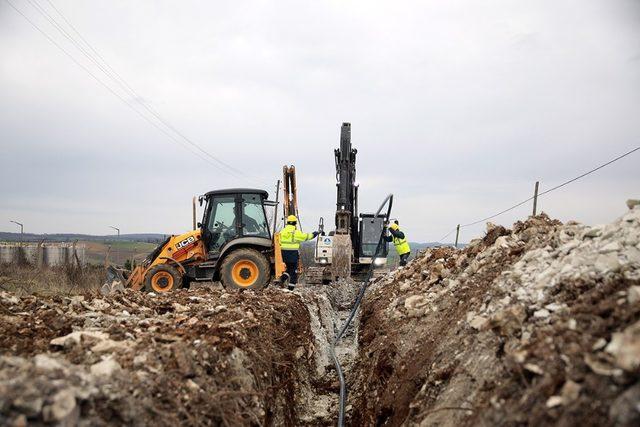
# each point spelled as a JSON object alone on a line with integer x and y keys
{"x": 222, "y": 224}
{"x": 254, "y": 220}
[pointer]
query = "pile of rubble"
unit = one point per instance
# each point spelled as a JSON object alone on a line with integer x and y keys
{"x": 194, "y": 357}
{"x": 539, "y": 324}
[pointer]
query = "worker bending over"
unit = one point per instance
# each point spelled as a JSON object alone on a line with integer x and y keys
{"x": 290, "y": 238}
{"x": 400, "y": 242}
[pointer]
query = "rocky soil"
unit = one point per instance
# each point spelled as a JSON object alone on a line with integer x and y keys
{"x": 198, "y": 357}
{"x": 537, "y": 325}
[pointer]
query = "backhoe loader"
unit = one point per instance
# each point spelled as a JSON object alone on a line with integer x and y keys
{"x": 233, "y": 244}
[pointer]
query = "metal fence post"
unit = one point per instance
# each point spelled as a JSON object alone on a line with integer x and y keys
{"x": 457, "y": 235}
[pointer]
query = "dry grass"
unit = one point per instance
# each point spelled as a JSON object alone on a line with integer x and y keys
{"x": 67, "y": 280}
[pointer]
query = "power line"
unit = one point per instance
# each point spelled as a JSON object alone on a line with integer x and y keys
{"x": 122, "y": 83}
{"x": 545, "y": 192}
{"x": 73, "y": 28}
{"x": 114, "y": 93}
{"x": 497, "y": 214}
{"x": 119, "y": 80}
{"x": 446, "y": 235}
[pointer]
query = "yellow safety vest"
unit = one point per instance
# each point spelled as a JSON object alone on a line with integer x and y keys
{"x": 402, "y": 245}
{"x": 290, "y": 238}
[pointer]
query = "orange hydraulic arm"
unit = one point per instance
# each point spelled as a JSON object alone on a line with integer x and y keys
{"x": 290, "y": 191}
{"x": 290, "y": 207}
{"x": 280, "y": 266}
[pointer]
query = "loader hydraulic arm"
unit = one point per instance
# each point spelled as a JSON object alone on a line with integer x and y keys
{"x": 290, "y": 191}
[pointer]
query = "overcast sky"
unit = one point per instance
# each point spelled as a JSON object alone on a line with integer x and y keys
{"x": 457, "y": 108}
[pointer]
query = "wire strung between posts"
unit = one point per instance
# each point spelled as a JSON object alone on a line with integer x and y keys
{"x": 354, "y": 309}
{"x": 544, "y": 192}
{"x": 446, "y": 235}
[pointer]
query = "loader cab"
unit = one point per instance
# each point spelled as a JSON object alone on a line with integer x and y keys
{"x": 235, "y": 216}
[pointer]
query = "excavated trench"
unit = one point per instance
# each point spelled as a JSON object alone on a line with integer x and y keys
{"x": 329, "y": 307}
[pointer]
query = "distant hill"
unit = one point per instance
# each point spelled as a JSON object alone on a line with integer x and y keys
{"x": 69, "y": 237}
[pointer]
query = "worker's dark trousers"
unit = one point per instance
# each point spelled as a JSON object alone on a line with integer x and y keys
{"x": 291, "y": 258}
{"x": 404, "y": 258}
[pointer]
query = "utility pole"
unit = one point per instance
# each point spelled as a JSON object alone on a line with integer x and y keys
{"x": 21, "y": 229}
{"x": 457, "y": 235}
{"x": 535, "y": 198}
{"x": 117, "y": 249}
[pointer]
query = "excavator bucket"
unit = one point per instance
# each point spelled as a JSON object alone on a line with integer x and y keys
{"x": 341, "y": 262}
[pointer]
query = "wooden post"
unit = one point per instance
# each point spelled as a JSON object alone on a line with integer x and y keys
{"x": 535, "y": 198}
{"x": 194, "y": 212}
{"x": 457, "y": 235}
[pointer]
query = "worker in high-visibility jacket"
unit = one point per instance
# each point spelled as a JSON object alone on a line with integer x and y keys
{"x": 399, "y": 241}
{"x": 290, "y": 239}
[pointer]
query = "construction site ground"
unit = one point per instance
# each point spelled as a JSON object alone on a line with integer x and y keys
{"x": 534, "y": 325}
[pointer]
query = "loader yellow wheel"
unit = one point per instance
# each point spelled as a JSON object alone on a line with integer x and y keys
{"x": 245, "y": 269}
{"x": 245, "y": 272}
{"x": 161, "y": 281}
{"x": 162, "y": 278}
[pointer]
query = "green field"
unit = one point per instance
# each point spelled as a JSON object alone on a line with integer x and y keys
{"x": 119, "y": 252}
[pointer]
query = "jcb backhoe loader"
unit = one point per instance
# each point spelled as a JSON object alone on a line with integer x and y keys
{"x": 232, "y": 244}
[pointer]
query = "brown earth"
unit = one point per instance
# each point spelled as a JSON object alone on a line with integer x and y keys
{"x": 450, "y": 340}
{"x": 201, "y": 357}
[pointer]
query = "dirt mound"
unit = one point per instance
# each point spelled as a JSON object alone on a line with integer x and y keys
{"x": 192, "y": 357}
{"x": 534, "y": 325}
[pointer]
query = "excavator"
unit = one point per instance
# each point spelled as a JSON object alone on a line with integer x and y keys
{"x": 348, "y": 251}
{"x": 233, "y": 244}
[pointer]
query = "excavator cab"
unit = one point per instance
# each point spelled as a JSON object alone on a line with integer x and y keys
{"x": 370, "y": 228}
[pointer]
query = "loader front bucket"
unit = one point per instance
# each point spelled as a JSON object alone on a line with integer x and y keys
{"x": 115, "y": 281}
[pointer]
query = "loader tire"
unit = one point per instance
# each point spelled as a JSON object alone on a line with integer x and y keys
{"x": 245, "y": 269}
{"x": 162, "y": 278}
